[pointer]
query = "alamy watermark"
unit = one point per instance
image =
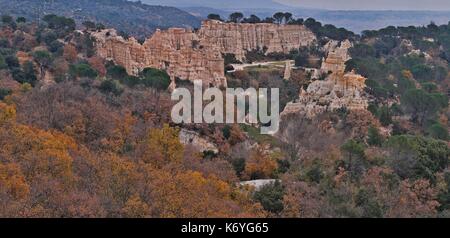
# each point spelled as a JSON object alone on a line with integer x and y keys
{"x": 235, "y": 110}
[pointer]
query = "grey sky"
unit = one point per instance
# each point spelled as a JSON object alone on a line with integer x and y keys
{"x": 371, "y": 4}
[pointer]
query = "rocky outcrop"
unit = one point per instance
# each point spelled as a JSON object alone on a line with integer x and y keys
{"x": 194, "y": 139}
{"x": 237, "y": 38}
{"x": 334, "y": 63}
{"x": 338, "y": 90}
{"x": 176, "y": 50}
{"x": 258, "y": 184}
{"x": 190, "y": 55}
{"x": 287, "y": 70}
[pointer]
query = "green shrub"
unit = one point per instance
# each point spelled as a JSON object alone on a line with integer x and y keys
{"x": 155, "y": 78}
{"x": 417, "y": 157}
{"x": 374, "y": 137}
{"x": 4, "y": 92}
{"x": 438, "y": 131}
{"x": 82, "y": 70}
{"x": 271, "y": 197}
{"x": 111, "y": 86}
{"x": 116, "y": 72}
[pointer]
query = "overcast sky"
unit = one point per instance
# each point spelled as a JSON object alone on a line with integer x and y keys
{"x": 371, "y": 4}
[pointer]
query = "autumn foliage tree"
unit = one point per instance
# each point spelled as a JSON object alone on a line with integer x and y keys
{"x": 12, "y": 182}
{"x": 260, "y": 165}
{"x": 190, "y": 194}
{"x": 70, "y": 53}
{"x": 164, "y": 146}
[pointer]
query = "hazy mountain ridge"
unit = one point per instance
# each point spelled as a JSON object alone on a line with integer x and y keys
{"x": 141, "y": 20}
{"x": 356, "y": 21}
{"x": 133, "y": 17}
{"x": 219, "y": 4}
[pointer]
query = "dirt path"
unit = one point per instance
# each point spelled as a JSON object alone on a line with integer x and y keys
{"x": 238, "y": 67}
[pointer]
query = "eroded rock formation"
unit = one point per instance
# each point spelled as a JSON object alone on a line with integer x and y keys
{"x": 176, "y": 50}
{"x": 237, "y": 38}
{"x": 194, "y": 139}
{"x": 334, "y": 63}
{"x": 190, "y": 55}
{"x": 287, "y": 70}
{"x": 338, "y": 90}
{"x": 258, "y": 184}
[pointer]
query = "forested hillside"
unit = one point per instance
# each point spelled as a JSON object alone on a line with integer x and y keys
{"x": 133, "y": 18}
{"x": 79, "y": 137}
